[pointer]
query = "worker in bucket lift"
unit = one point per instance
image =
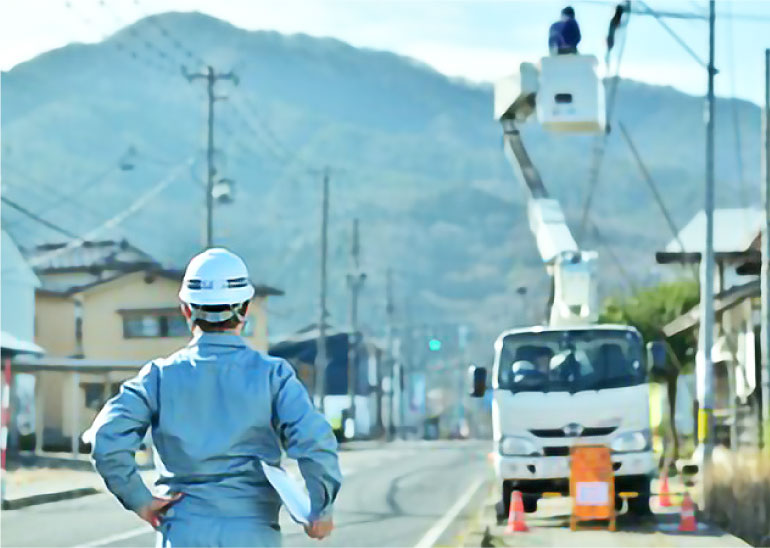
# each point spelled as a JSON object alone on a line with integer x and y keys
{"x": 216, "y": 408}
{"x": 564, "y": 34}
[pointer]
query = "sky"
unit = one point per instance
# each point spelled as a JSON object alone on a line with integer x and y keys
{"x": 478, "y": 40}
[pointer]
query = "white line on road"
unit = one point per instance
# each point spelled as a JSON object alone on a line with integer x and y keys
{"x": 118, "y": 537}
{"x": 433, "y": 534}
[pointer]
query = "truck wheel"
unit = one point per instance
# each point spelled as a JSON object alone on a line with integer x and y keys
{"x": 640, "y": 506}
{"x": 502, "y": 505}
{"x": 530, "y": 502}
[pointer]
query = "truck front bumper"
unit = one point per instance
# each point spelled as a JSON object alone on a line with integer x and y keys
{"x": 535, "y": 468}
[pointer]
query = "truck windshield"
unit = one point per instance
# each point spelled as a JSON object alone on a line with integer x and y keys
{"x": 570, "y": 360}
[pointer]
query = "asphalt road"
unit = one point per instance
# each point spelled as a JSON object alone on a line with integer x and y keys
{"x": 400, "y": 494}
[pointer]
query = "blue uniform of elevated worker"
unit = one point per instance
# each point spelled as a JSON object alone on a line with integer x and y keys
{"x": 564, "y": 34}
{"x": 216, "y": 408}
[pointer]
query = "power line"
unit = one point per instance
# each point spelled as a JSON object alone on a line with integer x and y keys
{"x": 38, "y": 219}
{"x": 600, "y": 144}
{"x": 659, "y": 18}
{"x": 118, "y": 218}
{"x": 735, "y": 116}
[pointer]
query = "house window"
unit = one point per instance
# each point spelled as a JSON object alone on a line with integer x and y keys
{"x": 163, "y": 322}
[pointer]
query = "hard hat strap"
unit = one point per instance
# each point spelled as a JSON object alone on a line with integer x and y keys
{"x": 219, "y": 316}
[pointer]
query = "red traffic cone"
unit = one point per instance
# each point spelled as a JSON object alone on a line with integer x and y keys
{"x": 516, "y": 523}
{"x": 664, "y": 497}
{"x": 688, "y": 523}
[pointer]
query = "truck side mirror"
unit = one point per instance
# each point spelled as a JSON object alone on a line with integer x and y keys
{"x": 656, "y": 356}
{"x": 478, "y": 381}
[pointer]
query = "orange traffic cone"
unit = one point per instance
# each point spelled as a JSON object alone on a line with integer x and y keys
{"x": 516, "y": 523}
{"x": 688, "y": 523}
{"x": 664, "y": 497}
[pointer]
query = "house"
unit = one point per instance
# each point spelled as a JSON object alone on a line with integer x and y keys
{"x": 108, "y": 302}
{"x": 17, "y": 319}
{"x": 300, "y": 350}
{"x": 736, "y": 353}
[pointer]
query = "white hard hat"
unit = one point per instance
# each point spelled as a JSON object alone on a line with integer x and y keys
{"x": 216, "y": 277}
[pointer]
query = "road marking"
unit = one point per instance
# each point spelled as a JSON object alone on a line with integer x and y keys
{"x": 433, "y": 534}
{"x": 120, "y": 536}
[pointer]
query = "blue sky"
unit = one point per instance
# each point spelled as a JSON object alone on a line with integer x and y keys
{"x": 478, "y": 40}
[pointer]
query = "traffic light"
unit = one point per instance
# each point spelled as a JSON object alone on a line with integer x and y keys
{"x": 434, "y": 345}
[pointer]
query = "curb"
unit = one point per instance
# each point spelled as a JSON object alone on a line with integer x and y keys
{"x": 23, "y": 502}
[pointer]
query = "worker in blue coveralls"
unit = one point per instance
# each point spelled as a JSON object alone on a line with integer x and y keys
{"x": 216, "y": 408}
{"x": 564, "y": 34}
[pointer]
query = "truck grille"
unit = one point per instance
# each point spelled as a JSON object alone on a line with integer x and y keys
{"x": 588, "y": 431}
{"x": 556, "y": 451}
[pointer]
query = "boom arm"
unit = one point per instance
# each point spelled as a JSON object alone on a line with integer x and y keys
{"x": 573, "y": 289}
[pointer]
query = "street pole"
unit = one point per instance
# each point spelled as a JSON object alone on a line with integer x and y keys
{"x": 765, "y": 274}
{"x": 355, "y": 280}
{"x": 705, "y": 366}
{"x": 211, "y": 78}
{"x": 321, "y": 359}
{"x": 390, "y": 353}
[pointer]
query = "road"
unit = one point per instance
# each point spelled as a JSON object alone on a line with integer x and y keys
{"x": 401, "y": 494}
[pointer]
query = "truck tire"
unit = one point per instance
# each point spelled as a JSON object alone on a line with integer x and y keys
{"x": 530, "y": 502}
{"x": 502, "y": 505}
{"x": 638, "y": 506}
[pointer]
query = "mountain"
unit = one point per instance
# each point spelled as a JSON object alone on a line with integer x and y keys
{"x": 414, "y": 154}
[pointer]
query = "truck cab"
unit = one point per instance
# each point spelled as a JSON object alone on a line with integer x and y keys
{"x": 553, "y": 388}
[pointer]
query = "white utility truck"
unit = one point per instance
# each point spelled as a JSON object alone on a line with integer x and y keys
{"x": 571, "y": 381}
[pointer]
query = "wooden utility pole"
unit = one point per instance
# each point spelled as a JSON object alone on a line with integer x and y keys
{"x": 321, "y": 360}
{"x": 390, "y": 353}
{"x": 211, "y": 78}
{"x": 355, "y": 280}
{"x": 765, "y": 270}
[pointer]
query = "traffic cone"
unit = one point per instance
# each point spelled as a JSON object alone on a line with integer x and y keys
{"x": 688, "y": 523}
{"x": 516, "y": 523}
{"x": 664, "y": 497}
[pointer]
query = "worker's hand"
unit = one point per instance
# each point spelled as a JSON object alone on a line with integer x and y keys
{"x": 319, "y": 529}
{"x": 154, "y": 510}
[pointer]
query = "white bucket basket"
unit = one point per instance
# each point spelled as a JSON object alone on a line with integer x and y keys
{"x": 570, "y": 97}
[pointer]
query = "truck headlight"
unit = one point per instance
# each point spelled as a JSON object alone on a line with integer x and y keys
{"x": 516, "y": 446}
{"x": 631, "y": 441}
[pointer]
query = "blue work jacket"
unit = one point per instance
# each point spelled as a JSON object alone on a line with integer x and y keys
{"x": 216, "y": 409}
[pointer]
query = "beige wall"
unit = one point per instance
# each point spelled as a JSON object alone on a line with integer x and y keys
{"x": 103, "y": 325}
{"x": 103, "y": 338}
{"x": 55, "y": 324}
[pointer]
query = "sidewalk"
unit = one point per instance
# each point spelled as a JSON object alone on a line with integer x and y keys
{"x": 33, "y": 480}
{"x": 549, "y": 526}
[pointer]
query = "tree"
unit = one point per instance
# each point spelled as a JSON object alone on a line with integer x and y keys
{"x": 650, "y": 310}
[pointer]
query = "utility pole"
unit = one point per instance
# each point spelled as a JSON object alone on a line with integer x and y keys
{"x": 705, "y": 366}
{"x": 765, "y": 273}
{"x": 389, "y": 313}
{"x": 355, "y": 280}
{"x": 321, "y": 359}
{"x": 211, "y": 78}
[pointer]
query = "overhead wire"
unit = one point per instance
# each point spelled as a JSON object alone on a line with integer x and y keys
{"x": 600, "y": 144}
{"x": 744, "y": 191}
{"x": 37, "y": 218}
{"x": 119, "y": 217}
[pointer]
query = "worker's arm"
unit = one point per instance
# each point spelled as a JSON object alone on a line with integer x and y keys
{"x": 308, "y": 438}
{"x": 118, "y": 431}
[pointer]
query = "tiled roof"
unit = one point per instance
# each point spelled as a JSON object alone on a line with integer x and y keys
{"x": 109, "y": 254}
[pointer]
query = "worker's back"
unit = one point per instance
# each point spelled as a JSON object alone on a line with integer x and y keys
{"x": 215, "y": 403}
